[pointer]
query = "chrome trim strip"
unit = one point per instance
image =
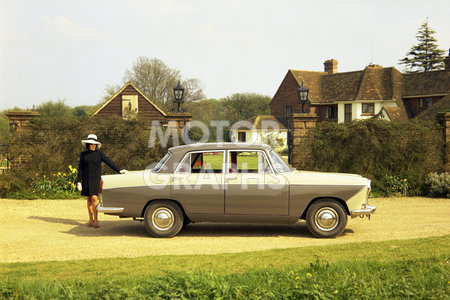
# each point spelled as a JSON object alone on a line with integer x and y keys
{"x": 370, "y": 209}
{"x": 109, "y": 210}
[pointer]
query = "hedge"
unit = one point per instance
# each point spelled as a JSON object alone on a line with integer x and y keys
{"x": 50, "y": 145}
{"x": 388, "y": 153}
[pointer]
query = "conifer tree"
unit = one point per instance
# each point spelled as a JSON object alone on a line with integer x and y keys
{"x": 425, "y": 56}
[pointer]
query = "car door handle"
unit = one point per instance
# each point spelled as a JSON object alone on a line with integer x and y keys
{"x": 229, "y": 179}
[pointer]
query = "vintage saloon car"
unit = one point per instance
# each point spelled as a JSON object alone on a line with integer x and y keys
{"x": 234, "y": 182}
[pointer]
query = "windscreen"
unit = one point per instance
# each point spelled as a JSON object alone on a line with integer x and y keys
{"x": 162, "y": 162}
{"x": 279, "y": 163}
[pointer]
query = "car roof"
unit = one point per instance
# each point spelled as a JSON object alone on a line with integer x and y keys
{"x": 218, "y": 146}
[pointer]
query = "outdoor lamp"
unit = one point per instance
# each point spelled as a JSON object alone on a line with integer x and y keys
{"x": 178, "y": 92}
{"x": 13, "y": 126}
{"x": 302, "y": 94}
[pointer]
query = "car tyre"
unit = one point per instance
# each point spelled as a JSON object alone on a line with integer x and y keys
{"x": 326, "y": 218}
{"x": 163, "y": 219}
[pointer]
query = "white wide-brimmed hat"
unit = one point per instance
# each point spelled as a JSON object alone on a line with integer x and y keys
{"x": 91, "y": 139}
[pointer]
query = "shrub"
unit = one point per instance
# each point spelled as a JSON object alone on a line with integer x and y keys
{"x": 396, "y": 186}
{"x": 382, "y": 151}
{"x": 438, "y": 184}
{"x": 58, "y": 183}
{"x": 48, "y": 145}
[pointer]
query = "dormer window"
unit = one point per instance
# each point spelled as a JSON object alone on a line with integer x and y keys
{"x": 425, "y": 102}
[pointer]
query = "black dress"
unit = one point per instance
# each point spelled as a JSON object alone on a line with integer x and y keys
{"x": 89, "y": 171}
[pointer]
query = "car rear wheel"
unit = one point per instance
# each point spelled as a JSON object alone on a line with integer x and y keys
{"x": 163, "y": 219}
{"x": 326, "y": 218}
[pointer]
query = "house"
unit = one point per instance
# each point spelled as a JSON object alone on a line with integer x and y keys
{"x": 373, "y": 92}
{"x": 265, "y": 129}
{"x": 130, "y": 101}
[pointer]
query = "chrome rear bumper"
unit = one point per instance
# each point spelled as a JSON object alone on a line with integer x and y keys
{"x": 109, "y": 210}
{"x": 370, "y": 209}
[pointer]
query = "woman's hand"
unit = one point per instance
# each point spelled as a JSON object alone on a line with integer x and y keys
{"x": 79, "y": 186}
{"x": 123, "y": 171}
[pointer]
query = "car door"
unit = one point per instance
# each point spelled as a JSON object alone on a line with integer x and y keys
{"x": 252, "y": 187}
{"x": 198, "y": 182}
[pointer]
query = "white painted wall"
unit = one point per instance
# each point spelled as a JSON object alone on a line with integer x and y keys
{"x": 261, "y": 136}
{"x": 357, "y": 109}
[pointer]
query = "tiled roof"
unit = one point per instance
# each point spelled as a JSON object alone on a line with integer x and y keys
{"x": 312, "y": 80}
{"x": 372, "y": 83}
{"x": 396, "y": 114}
{"x": 426, "y": 83}
{"x": 269, "y": 120}
{"x": 261, "y": 122}
{"x": 442, "y": 105}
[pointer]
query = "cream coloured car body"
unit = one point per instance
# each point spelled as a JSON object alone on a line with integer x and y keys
{"x": 271, "y": 197}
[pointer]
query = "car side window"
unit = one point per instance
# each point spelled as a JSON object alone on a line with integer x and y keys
{"x": 210, "y": 162}
{"x": 202, "y": 162}
{"x": 185, "y": 166}
{"x": 247, "y": 162}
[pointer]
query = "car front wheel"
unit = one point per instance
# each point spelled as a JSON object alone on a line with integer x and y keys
{"x": 326, "y": 218}
{"x": 163, "y": 219}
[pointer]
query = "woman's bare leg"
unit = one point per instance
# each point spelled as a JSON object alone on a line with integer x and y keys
{"x": 90, "y": 211}
{"x": 94, "y": 201}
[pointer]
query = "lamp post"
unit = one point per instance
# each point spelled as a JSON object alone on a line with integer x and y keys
{"x": 302, "y": 95}
{"x": 178, "y": 93}
{"x": 302, "y": 99}
{"x": 13, "y": 126}
{"x": 289, "y": 140}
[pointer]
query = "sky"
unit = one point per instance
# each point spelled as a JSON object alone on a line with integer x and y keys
{"x": 71, "y": 50}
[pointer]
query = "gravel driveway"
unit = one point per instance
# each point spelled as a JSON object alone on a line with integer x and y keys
{"x": 42, "y": 230}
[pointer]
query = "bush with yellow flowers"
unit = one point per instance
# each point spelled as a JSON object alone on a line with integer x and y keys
{"x": 61, "y": 184}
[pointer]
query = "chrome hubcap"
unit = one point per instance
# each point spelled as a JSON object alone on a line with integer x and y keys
{"x": 326, "y": 219}
{"x": 163, "y": 219}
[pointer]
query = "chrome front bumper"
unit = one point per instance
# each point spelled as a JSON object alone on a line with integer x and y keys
{"x": 109, "y": 210}
{"x": 369, "y": 209}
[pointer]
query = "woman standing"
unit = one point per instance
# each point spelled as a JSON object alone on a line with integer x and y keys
{"x": 89, "y": 175}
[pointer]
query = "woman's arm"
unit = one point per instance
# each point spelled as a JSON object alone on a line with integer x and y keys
{"x": 79, "y": 169}
{"x": 109, "y": 162}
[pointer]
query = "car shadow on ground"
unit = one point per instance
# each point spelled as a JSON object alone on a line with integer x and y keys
{"x": 248, "y": 230}
{"x": 136, "y": 229}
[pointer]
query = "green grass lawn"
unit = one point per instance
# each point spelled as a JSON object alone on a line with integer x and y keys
{"x": 417, "y": 268}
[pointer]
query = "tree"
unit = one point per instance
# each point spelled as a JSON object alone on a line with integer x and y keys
{"x": 206, "y": 111}
{"x": 425, "y": 56}
{"x": 52, "y": 109}
{"x": 4, "y": 129}
{"x": 156, "y": 80}
{"x": 239, "y": 107}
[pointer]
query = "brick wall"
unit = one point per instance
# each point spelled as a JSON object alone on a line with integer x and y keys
{"x": 303, "y": 126}
{"x": 286, "y": 95}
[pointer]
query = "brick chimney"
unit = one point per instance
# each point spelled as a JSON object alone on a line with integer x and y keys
{"x": 331, "y": 66}
{"x": 447, "y": 61}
